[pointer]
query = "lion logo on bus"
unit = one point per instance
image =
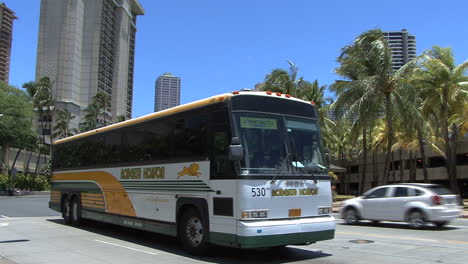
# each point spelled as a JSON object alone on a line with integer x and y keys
{"x": 191, "y": 170}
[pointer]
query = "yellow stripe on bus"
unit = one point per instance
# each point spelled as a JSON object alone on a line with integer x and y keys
{"x": 116, "y": 197}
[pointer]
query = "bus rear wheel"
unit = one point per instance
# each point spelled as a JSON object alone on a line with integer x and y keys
{"x": 66, "y": 211}
{"x": 75, "y": 211}
{"x": 192, "y": 232}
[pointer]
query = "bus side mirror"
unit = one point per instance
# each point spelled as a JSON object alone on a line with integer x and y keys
{"x": 236, "y": 151}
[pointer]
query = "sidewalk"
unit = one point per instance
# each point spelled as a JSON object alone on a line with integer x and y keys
{"x": 337, "y": 206}
{"x": 4, "y": 194}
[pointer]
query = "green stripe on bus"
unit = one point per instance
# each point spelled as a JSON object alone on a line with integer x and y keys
{"x": 142, "y": 224}
{"x": 270, "y": 240}
{"x": 78, "y": 186}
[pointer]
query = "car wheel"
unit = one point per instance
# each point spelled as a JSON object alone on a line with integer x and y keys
{"x": 75, "y": 212}
{"x": 66, "y": 211}
{"x": 440, "y": 223}
{"x": 192, "y": 233}
{"x": 416, "y": 219}
{"x": 351, "y": 216}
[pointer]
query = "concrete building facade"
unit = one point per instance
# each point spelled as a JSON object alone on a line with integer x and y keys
{"x": 7, "y": 16}
{"x": 402, "y": 46}
{"x": 401, "y": 167}
{"x": 167, "y": 92}
{"x": 86, "y": 46}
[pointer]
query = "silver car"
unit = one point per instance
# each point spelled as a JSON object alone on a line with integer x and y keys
{"x": 415, "y": 203}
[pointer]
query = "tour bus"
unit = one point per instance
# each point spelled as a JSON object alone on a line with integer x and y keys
{"x": 244, "y": 169}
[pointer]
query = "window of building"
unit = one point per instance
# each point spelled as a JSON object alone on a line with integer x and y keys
{"x": 437, "y": 161}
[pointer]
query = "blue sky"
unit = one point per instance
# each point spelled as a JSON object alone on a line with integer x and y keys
{"x": 222, "y": 46}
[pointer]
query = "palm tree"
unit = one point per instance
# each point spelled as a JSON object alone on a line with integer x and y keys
{"x": 280, "y": 80}
{"x": 339, "y": 143}
{"x": 371, "y": 81}
{"x": 355, "y": 98}
{"x": 62, "y": 124}
{"x": 43, "y": 102}
{"x": 98, "y": 107}
{"x": 103, "y": 102}
{"x": 444, "y": 89}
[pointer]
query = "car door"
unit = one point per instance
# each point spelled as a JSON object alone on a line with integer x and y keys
{"x": 373, "y": 204}
{"x": 396, "y": 203}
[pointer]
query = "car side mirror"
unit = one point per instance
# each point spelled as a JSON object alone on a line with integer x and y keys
{"x": 236, "y": 152}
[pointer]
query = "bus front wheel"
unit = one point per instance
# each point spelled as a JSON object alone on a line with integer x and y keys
{"x": 192, "y": 232}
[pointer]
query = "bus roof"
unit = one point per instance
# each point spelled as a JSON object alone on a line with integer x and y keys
{"x": 173, "y": 110}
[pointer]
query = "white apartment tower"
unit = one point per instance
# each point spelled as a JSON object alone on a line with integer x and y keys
{"x": 86, "y": 46}
{"x": 167, "y": 92}
{"x": 402, "y": 46}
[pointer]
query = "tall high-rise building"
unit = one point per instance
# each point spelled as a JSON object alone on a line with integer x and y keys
{"x": 6, "y": 35}
{"x": 167, "y": 92}
{"x": 86, "y": 46}
{"x": 402, "y": 46}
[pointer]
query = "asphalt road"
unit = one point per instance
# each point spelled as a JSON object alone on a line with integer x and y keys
{"x": 45, "y": 239}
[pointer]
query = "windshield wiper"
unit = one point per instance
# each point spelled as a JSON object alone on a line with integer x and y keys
{"x": 300, "y": 159}
{"x": 286, "y": 160}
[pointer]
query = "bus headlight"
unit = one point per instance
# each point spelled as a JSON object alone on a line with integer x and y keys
{"x": 254, "y": 214}
{"x": 324, "y": 210}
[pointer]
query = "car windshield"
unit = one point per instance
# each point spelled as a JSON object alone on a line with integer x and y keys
{"x": 277, "y": 144}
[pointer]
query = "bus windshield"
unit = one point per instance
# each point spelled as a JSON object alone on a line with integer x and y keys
{"x": 279, "y": 144}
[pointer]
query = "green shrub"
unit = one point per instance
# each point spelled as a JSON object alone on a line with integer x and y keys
{"x": 25, "y": 182}
{"x": 3, "y": 182}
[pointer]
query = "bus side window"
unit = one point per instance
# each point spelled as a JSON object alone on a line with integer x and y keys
{"x": 220, "y": 139}
{"x": 190, "y": 136}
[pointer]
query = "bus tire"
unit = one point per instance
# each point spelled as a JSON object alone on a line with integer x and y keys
{"x": 192, "y": 234}
{"x": 66, "y": 211}
{"x": 75, "y": 211}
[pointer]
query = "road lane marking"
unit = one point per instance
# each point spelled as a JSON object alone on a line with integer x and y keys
{"x": 406, "y": 238}
{"x": 457, "y": 242}
{"x": 3, "y": 224}
{"x": 135, "y": 249}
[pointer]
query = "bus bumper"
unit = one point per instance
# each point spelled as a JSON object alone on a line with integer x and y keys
{"x": 254, "y": 234}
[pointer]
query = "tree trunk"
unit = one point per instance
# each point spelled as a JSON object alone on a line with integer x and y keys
{"x": 401, "y": 165}
{"x": 410, "y": 168}
{"x": 37, "y": 163}
{"x": 362, "y": 186}
{"x": 453, "y": 166}
{"x": 423, "y": 155}
{"x": 389, "y": 114}
{"x": 26, "y": 169}
{"x": 374, "y": 165}
{"x": 343, "y": 180}
{"x": 5, "y": 159}
{"x": 449, "y": 162}
{"x": 393, "y": 167}
{"x": 16, "y": 158}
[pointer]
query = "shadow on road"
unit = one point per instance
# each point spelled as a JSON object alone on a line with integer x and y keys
{"x": 394, "y": 225}
{"x": 217, "y": 254}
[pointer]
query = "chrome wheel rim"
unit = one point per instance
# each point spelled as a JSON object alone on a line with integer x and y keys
{"x": 416, "y": 220}
{"x": 194, "y": 231}
{"x": 67, "y": 209}
{"x": 75, "y": 211}
{"x": 351, "y": 217}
